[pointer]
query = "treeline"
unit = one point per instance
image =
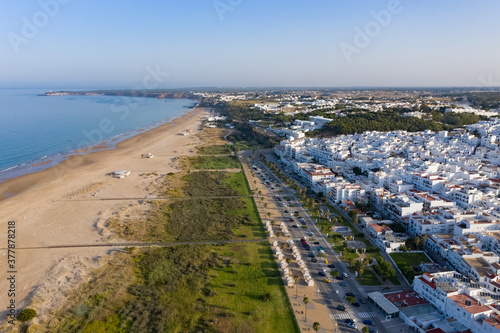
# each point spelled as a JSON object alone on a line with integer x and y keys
{"x": 376, "y": 121}
{"x": 484, "y": 100}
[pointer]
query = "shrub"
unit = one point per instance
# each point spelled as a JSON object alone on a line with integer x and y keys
{"x": 26, "y": 315}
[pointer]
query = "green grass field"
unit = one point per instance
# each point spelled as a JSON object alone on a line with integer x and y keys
{"x": 410, "y": 259}
{"x": 237, "y": 181}
{"x": 215, "y": 150}
{"x": 368, "y": 278}
{"x": 213, "y": 162}
{"x": 241, "y": 287}
{"x": 406, "y": 261}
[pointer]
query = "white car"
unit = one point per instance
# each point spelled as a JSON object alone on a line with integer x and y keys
{"x": 345, "y": 275}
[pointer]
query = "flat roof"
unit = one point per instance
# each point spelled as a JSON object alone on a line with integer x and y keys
{"x": 383, "y": 302}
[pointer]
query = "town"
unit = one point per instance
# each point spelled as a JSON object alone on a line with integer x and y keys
{"x": 428, "y": 200}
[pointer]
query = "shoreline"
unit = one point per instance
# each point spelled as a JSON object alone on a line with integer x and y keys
{"x": 12, "y": 185}
{"x": 47, "y": 209}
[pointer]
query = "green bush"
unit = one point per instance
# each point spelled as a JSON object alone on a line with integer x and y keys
{"x": 26, "y": 315}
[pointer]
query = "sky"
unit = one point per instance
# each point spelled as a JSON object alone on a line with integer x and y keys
{"x": 249, "y": 43}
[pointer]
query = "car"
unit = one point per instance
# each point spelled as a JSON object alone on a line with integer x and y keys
{"x": 352, "y": 325}
{"x": 327, "y": 280}
{"x": 340, "y": 307}
{"x": 349, "y": 294}
{"x": 285, "y": 211}
{"x": 356, "y": 304}
{"x": 290, "y": 219}
{"x": 340, "y": 277}
{"x": 363, "y": 300}
{"x": 349, "y": 321}
{"x": 295, "y": 226}
{"x": 372, "y": 330}
{"x": 331, "y": 266}
{"x": 316, "y": 243}
{"x": 322, "y": 273}
{"x": 311, "y": 255}
{"x": 343, "y": 284}
{"x": 314, "y": 260}
{"x": 345, "y": 275}
{"x": 367, "y": 322}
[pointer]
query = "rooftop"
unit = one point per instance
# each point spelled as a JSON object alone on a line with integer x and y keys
{"x": 405, "y": 298}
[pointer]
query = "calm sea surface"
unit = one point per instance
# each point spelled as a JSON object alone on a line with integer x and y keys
{"x": 36, "y": 129}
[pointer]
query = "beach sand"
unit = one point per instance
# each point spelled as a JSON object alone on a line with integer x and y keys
{"x": 67, "y": 204}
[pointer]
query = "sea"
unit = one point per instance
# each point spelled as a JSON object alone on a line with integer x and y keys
{"x": 37, "y": 132}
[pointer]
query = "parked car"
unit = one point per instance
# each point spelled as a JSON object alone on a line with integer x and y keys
{"x": 314, "y": 260}
{"x": 345, "y": 275}
{"x": 352, "y": 325}
{"x": 316, "y": 243}
{"x": 327, "y": 280}
{"x": 322, "y": 273}
{"x": 367, "y": 322}
{"x": 372, "y": 330}
{"x": 349, "y": 321}
{"x": 363, "y": 300}
{"x": 340, "y": 307}
{"x": 349, "y": 294}
{"x": 331, "y": 266}
{"x": 356, "y": 304}
{"x": 295, "y": 226}
{"x": 285, "y": 211}
{"x": 340, "y": 277}
{"x": 311, "y": 255}
{"x": 291, "y": 220}
{"x": 343, "y": 284}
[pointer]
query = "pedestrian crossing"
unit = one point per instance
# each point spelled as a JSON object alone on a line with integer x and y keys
{"x": 363, "y": 315}
{"x": 340, "y": 316}
{"x": 366, "y": 314}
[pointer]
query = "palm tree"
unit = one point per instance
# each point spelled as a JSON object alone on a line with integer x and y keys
{"x": 305, "y": 300}
{"x": 316, "y": 326}
{"x": 296, "y": 279}
{"x": 269, "y": 214}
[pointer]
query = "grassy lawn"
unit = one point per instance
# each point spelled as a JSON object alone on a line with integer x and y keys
{"x": 368, "y": 278}
{"x": 410, "y": 259}
{"x": 241, "y": 287}
{"x": 350, "y": 256}
{"x": 213, "y": 162}
{"x": 215, "y": 150}
{"x": 238, "y": 182}
{"x": 252, "y": 226}
{"x": 406, "y": 261}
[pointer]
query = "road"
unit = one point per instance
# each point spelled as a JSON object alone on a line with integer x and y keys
{"x": 332, "y": 294}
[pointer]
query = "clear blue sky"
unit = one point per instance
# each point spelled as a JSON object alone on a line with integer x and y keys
{"x": 97, "y": 44}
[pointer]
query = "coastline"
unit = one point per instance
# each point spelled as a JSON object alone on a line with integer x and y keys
{"x": 61, "y": 213}
{"x": 51, "y": 158}
{"x": 27, "y": 175}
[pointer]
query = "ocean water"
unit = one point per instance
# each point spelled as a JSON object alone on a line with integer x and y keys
{"x": 36, "y": 129}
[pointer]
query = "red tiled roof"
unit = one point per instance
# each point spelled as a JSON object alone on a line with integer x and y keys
{"x": 429, "y": 283}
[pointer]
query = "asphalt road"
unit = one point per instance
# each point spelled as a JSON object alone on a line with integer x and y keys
{"x": 331, "y": 293}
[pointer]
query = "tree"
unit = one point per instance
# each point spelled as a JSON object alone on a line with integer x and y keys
{"x": 26, "y": 315}
{"x": 269, "y": 214}
{"x": 288, "y": 260}
{"x": 296, "y": 279}
{"x": 334, "y": 273}
{"x": 353, "y": 215}
{"x": 350, "y": 299}
{"x": 365, "y": 329}
{"x": 305, "y": 300}
{"x": 316, "y": 326}
{"x": 417, "y": 242}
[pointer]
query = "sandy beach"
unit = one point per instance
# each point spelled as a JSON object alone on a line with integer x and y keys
{"x": 67, "y": 205}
